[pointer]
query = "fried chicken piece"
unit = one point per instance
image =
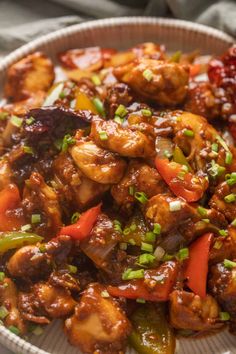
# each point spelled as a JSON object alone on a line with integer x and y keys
{"x": 156, "y": 80}
{"x": 38, "y": 197}
{"x": 125, "y": 141}
{"x": 9, "y": 299}
{"x": 32, "y": 74}
{"x": 31, "y": 262}
{"x": 138, "y": 177}
{"x": 219, "y": 200}
{"x": 223, "y": 287}
{"x": 101, "y": 242}
{"x": 21, "y": 107}
{"x": 45, "y": 302}
{"x": 157, "y": 210}
{"x": 98, "y": 324}
{"x": 189, "y": 311}
{"x": 117, "y": 94}
{"x": 73, "y": 186}
{"x": 99, "y": 165}
{"x": 201, "y": 100}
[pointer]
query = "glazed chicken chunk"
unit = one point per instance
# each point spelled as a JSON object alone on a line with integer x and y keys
{"x": 98, "y": 324}
{"x": 154, "y": 80}
{"x": 31, "y": 74}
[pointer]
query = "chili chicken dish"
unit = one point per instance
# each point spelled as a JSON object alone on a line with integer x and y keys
{"x": 118, "y": 197}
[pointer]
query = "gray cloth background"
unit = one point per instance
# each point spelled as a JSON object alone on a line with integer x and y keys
{"x": 24, "y": 20}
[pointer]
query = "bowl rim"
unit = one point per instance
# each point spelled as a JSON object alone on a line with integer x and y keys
{"x": 114, "y": 21}
{"x": 7, "y": 338}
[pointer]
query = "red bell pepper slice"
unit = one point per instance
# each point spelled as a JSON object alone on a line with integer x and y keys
{"x": 182, "y": 184}
{"x": 156, "y": 285}
{"x": 9, "y": 201}
{"x": 197, "y": 264}
{"x": 82, "y": 228}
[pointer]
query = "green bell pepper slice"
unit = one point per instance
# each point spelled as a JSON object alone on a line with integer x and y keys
{"x": 151, "y": 333}
{"x": 17, "y": 239}
{"x": 178, "y": 156}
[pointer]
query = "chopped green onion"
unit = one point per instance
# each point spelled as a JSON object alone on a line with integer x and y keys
{"x": 28, "y": 150}
{"x": 2, "y": 276}
{"x": 223, "y": 233}
{"x": 62, "y": 95}
{"x": 202, "y": 211}
{"x": 121, "y": 111}
{"x": 206, "y": 221}
{"x": 35, "y": 218}
{"x": 218, "y": 244}
{"x": 14, "y": 330}
{"x": 228, "y": 158}
{"x": 216, "y": 170}
{"x": 222, "y": 142}
{"x": 133, "y": 227}
{"x": 157, "y": 228}
{"x": 131, "y": 190}
{"x": 224, "y": 316}
{"x": 146, "y": 247}
{"x": 37, "y": 331}
{"x": 140, "y": 301}
{"x": 119, "y": 120}
{"x": 229, "y": 264}
{"x": 183, "y": 254}
{"x": 16, "y": 121}
{"x": 231, "y": 181}
{"x": 126, "y": 231}
{"x": 117, "y": 225}
{"x": 99, "y": 106}
{"x": 189, "y": 133}
{"x": 96, "y": 80}
{"x": 67, "y": 140}
{"x": 30, "y": 120}
{"x": 215, "y": 147}
{"x": 148, "y": 74}
{"x": 233, "y": 223}
{"x": 105, "y": 294}
{"x": 72, "y": 269}
{"x": 130, "y": 274}
{"x": 4, "y": 115}
{"x": 26, "y": 227}
{"x": 150, "y": 237}
{"x": 175, "y": 205}
{"x": 103, "y": 135}
{"x": 123, "y": 246}
{"x": 146, "y": 258}
{"x": 132, "y": 242}
{"x": 167, "y": 257}
{"x": 42, "y": 248}
{"x": 167, "y": 154}
{"x": 230, "y": 198}
{"x": 3, "y": 312}
{"x": 176, "y": 56}
{"x": 58, "y": 144}
{"x": 146, "y": 112}
{"x": 141, "y": 197}
{"x": 75, "y": 217}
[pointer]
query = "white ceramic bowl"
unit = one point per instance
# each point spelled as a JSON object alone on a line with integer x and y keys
{"x": 120, "y": 33}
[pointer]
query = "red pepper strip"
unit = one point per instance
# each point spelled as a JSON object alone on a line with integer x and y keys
{"x": 82, "y": 228}
{"x": 194, "y": 69}
{"x": 183, "y": 184}
{"x": 10, "y": 200}
{"x": 147, "y": 289}
{"x": 197, "y": 265}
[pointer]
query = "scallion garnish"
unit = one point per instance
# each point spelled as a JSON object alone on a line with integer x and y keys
{"x": 121, "y": 111}
{"x": 35, "y": 218}
{"x": 130, "y": 274}
{"x": 229, "y": 264}
{"x": 103, "y": 135}
{"x": 146, "y": 247}
{"x": 148, "y": 74}
{"x": 141, "y": 197}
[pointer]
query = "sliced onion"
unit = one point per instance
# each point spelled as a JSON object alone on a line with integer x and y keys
{"x": 159, "y": 253}
{"x": 164, "y": 147}
{"x": 97, "y": 253}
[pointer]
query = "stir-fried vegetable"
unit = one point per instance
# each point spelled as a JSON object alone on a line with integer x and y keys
{"x": 151, "y": 333}
{"x": 16, "y": 239}
{"x": 197, "y": 266}
{"x": 182, "y": 183}
{"x": 81, "y": 229}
